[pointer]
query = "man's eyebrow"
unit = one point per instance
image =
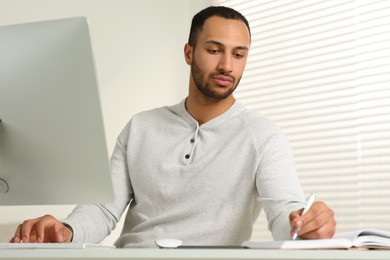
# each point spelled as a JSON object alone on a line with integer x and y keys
{"x": 221, "y": 44}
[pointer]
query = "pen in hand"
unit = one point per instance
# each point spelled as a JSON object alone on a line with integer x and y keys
{"x": 309, "y": 202}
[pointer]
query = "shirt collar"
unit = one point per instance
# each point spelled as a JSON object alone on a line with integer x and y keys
{"x": 234, "y": 110}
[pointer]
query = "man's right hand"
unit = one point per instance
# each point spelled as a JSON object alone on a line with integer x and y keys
{"x": 46, "y": 229}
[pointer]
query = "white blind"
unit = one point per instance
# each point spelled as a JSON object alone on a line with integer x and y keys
{"x": 321, "y": 71}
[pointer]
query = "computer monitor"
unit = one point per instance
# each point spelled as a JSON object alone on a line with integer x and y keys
{"x": 52, "y": 142}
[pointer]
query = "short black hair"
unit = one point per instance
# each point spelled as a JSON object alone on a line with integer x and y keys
{"x": 221, "y": 11}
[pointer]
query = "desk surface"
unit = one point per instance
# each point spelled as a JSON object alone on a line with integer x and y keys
{"x": 193, "y": 254}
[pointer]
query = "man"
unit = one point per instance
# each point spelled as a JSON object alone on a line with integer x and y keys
{"x": 202, "y": 170}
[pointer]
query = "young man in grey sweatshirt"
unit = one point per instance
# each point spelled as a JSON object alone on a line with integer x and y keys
{"x": 200, "y": 171}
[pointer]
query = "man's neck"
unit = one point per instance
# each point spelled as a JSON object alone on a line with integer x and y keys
{"x": 204, "y": 109}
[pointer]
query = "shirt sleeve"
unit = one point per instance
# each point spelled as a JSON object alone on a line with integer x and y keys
{"x": 93, "y": 223}
{"x": 279, "y": 190}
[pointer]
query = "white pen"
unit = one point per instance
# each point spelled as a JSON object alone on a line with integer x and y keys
{"x": 309, "y": 202}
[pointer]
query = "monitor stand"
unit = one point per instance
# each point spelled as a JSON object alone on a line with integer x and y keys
{"x": 3, "y": 184}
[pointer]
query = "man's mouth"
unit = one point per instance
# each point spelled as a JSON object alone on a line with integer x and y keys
{"x": 221, "y": 80}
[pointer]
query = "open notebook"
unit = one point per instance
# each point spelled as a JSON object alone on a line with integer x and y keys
{"x": 366, "y": 238}
{"x": 51, "y": 246}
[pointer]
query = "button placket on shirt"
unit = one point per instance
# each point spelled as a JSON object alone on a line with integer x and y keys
{"x": 193, "y": 142}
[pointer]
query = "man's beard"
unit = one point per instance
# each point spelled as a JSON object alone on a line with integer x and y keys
{"x": 203, "y": 86}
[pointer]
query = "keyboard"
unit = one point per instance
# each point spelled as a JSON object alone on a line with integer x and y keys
{"x": 51, "y": 246}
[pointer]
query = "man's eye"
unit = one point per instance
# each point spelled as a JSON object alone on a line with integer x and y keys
{"x": 214, "y": 51}
{"x": 238, "y": 55}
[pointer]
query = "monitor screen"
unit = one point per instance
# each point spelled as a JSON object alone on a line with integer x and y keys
{"x": 52, "y": 142}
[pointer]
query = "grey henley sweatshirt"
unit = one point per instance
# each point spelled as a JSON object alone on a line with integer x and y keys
{"x": 204, "y": 184}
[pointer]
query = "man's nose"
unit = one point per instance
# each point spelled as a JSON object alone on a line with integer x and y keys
{"x": 226, "y": 63}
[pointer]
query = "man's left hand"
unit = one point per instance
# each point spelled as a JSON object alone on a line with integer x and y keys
{"x": 317, "y": 223}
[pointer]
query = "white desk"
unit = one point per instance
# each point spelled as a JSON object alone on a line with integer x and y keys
{"x": 192, "y": 254}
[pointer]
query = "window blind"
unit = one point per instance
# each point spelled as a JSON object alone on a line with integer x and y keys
{"x": 321, "y": 71}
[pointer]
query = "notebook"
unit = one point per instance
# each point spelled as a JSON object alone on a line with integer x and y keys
{"x": 359, "y": 239}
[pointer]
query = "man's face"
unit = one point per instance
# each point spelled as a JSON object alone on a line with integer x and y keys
{"x": 219, "y": 58}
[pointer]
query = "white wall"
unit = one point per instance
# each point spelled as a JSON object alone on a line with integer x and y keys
{"x": 138, "y": 49}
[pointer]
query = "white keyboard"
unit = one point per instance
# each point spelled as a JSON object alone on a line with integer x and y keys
{"x": 51, "y": 246}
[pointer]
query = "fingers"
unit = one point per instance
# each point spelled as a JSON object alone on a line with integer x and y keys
{"x": 23, "y": 232}
{"x": 43, "y": 229}
{"x": 317, "y": 223}
{"x": 17, "y": 235}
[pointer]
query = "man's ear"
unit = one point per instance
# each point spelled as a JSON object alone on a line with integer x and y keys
{"x": 188, "y": 50}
